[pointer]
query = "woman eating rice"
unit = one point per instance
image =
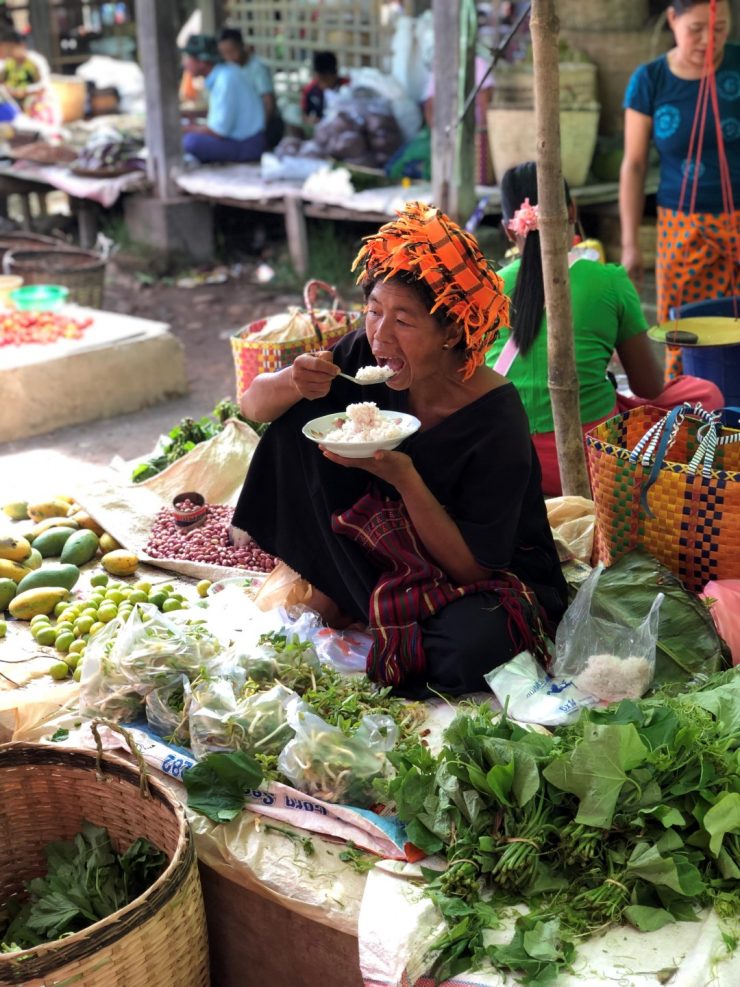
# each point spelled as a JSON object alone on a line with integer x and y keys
{"x": 441, "y": 546}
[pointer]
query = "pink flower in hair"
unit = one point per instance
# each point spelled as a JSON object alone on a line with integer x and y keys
{"x": 525, "y": 219}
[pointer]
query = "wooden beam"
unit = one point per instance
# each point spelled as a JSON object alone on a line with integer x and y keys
{"x": 39, "y": 14}
{"x": 453, "y": 144}
{"x": 156, "y": 26}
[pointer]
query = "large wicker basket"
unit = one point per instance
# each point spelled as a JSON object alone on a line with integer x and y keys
{"x": 160, "y": 939}
{"x": 22, "y": 240}
{"x": 82, "y": 271}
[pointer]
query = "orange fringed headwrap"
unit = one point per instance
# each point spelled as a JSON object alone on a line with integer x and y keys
{"x": 434, "y": 249}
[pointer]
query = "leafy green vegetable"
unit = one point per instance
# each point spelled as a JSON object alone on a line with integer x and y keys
{"x": 186, "y": 435}
{"x": 217, "y": 786}
{"x": 632, "y": 814}
{"x": 86, "y": 881}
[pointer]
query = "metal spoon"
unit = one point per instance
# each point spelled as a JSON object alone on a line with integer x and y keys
{"x": 363, "y": 383}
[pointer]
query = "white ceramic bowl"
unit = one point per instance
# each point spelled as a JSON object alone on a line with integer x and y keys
{"x": 316, "y": 429}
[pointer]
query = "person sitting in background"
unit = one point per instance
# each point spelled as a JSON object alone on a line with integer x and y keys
{"x": 232, "y": 49}
{"x": 607, "y": 316}
{"x": 317, "y": 95}
{"x": 235, "y": 125}
{"x": 25, "y": 76}
{"x": 442, "y": 544}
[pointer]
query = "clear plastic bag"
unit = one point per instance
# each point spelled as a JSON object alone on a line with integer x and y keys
{"x": 257, "y": 724}
{"x": 167, "y": 710}
{"x": 146, "y": 651}
{"x": 324, "y": 762}
{"x": 602, "y": 658}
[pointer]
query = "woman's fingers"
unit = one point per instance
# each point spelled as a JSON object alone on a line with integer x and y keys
{"x": 313, "y": 374}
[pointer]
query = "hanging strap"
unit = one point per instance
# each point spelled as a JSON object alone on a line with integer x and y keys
{"x": 507, "y": 356}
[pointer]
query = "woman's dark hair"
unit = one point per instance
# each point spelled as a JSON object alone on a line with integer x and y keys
{"x": 684, "y": 6}
{"x": 528, "y": 297}
{"x": 232, "y": 34}
{"x": 324, "y": 63}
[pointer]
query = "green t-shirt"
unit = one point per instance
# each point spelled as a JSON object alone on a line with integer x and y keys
{"x": 606, "y": 312}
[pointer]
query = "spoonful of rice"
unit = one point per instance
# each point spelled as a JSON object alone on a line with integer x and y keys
{"x": 373, "y": 374}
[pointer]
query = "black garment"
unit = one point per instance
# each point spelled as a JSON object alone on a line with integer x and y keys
{"x": 479, "y": 463}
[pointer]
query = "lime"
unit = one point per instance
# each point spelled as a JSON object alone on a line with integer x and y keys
{"x": 171, "y": 604}
{"x": 138, "y": 596}
{"x": 96, "y": 599}
{"x": 77, "y": 647}
{"x": 40, "y": 618}
{"x": 98, "y": 625}
{"x": 46, "y": 635}
{"x": 64, "y": 641}
{"x": 59, "y": 670}
{"x": 60, "y": 608}
{"x": 143, "y": 586}
{"x": 157, "y": 599}
{"x": 72, "y": 660}
{"x": 3, "y": 628}
{"x": 114, "y": 595}
{"x": 107, "y": 613}
{"x": 67, "y": 616}
{"x": 90, "y": 612}
{"x": 99, "y": 579}
{"x": 63, "y": 626}
{"x": 77, "y": 674}
{"x": 167, "y": 588}
{"x": 83, "y": 625}
{"x": 203, "y": 586}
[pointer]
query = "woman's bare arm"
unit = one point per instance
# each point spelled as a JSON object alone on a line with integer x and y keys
{"x": 637, "y": 130}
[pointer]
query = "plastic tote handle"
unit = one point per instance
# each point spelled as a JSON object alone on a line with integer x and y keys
{"x": 655, "y": 443}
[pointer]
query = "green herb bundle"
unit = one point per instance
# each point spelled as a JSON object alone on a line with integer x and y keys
{"x": 186, "y": 435}
{"x": 631, "y": 815}
{"x": 86, "y": 881}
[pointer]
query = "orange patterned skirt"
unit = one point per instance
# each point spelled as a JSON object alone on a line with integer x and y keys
{"x": 697, "y": 258}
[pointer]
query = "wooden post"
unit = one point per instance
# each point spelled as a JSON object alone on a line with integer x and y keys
{"x": 453, "y": 145}
{"x": 156, "y": 27}
{"x": 553, "y": 224}
{"x": 40, "y": 16}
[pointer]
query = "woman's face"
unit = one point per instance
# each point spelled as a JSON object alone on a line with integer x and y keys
{"x": 691, "y": 31}
{"x": 405, "y": 337}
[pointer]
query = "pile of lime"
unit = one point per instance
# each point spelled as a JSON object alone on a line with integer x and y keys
{"x": 79, "y": 620}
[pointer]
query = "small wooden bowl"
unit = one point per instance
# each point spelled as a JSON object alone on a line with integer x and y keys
{"x": 192, "y": 517}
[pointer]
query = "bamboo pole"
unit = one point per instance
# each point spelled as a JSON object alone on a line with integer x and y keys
{"x": 553, "y": 225}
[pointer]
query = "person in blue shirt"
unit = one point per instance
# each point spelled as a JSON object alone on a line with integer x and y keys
{"x": 235, "y": 125}
{"x": 696, "y": 253}
{"x": 233, "y": 49}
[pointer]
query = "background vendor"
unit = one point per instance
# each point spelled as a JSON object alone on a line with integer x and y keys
{"x": 317, "y": 96}
{"x": 442, "y": 546}
{"x": 232, "y": 49}
{"x": 235, "y": 126}
{"x": 25, "y": 77}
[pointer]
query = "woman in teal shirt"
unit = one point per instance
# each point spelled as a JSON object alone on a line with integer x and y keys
{"x": 607, "y": 316}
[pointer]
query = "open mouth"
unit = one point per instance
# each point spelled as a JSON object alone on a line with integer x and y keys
{"x": 393, "y": 363}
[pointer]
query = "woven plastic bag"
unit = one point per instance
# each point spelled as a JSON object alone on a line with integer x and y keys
{"x": 602, "y": 658}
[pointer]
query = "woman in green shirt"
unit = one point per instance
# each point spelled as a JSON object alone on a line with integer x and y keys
{"x": 607, "y": 316}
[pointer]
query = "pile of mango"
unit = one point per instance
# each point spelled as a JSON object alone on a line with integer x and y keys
{"x": 29, "y": 585}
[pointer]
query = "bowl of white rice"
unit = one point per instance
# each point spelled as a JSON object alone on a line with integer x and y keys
{"x": 361, "y": 430}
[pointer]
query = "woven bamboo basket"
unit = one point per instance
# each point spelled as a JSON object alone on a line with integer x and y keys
{"x": 82, "y": 271}
{"x": 29, "y": 241}
{"x": 158, "y": 940}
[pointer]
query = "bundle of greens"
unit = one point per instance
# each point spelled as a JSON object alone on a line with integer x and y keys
{"x": 630, "y": 815}
{"x": 280, "y": 656}
{"x": 186, "y": 435}
{"x": 167, "y": 709}
{"x": 86, "y": 881}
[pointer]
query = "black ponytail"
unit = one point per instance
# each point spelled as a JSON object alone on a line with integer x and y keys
{"x": 528, "y": 297}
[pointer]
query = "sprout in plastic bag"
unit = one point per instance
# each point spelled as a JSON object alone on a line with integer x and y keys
{"x": 324, "y": 762}
{"x": 282, "y": 656}
{"x": 257, "y": 724}
{"x": 167, "y": 710}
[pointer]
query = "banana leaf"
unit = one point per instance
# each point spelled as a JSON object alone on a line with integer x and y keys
{"x": 689, "y": 646}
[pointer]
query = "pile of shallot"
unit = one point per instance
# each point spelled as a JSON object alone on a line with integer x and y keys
{"x": 208, "y": 543}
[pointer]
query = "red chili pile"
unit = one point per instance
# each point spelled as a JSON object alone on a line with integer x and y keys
{"x": 209, "y": 542}
{"x": 17, "y": 328}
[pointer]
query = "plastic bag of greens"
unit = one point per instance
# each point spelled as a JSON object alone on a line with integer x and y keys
{"x": 602, "y": 657}
{"x": 142, "y": 652}
{"x": 324, "y": 762}
{"x": 256, "y": 724}
{"x": 167, "y": 710}
{"x": 281, "y": 655}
